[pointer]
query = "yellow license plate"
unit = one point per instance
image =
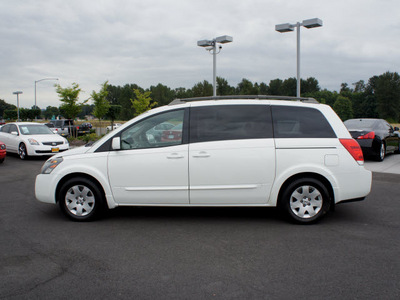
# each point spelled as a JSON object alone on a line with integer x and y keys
{"x": 55, "y": 149}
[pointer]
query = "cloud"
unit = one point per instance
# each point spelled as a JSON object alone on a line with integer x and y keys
{"x": 151, "y": 42}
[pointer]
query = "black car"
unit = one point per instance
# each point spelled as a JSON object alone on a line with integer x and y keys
{"x": 375, "y": 136}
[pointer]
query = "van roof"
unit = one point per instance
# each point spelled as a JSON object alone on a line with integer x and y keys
{"x": 244, "y": 97}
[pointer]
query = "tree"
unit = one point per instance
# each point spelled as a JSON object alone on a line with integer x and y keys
{"x": 51, "y": 111}
{"x": 246, "y": 87}
{"x": 275, "y": 87}
{"x": 344, "y": 88}
{"x": 343, "y": 108}
{"x": 310, "y": 85}
{"x": 223, "y": 87}
{"x": 10, "y": 114}
{"x": 69, "y": 97}
{"x": 142, "y": 102}
{"x": 36, "y": 112}
{"x": 387, "y": 92}
{"x": 202, "y": 89}
{"x": 101, "y": 104}
{"x": 5, "y": 106}
{"x": 162, "y": 94}
{"x": 289, "y": 87}
{"x": 359, "y": 86}
{"x": 113, "y": 113}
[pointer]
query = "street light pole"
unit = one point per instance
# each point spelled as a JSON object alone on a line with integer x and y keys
{"x": 36, "y": 81}
{"x": 287, "y": 27}
{"x": 211, "y": 45}
{"x": 298, "y": 60}
{"x": 17, "y": 93}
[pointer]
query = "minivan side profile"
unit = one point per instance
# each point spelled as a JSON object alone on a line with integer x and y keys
{"x": 222, "y": 151}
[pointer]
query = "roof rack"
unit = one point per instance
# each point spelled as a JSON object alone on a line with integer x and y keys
{"x": 241, "y": 97}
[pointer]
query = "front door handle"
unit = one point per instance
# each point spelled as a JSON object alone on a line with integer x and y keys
{"x": 202, "y": 154}
{"x": 174, "y": 156}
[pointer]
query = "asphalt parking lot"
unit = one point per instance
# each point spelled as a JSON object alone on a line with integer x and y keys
{"x": 192, "y": 253}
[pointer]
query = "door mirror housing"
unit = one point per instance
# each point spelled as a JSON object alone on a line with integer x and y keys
{"x": 14, "y": 133}
{"x": 116, "y": 143}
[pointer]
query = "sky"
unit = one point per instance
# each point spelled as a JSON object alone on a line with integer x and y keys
{"x": 155, "y": 41}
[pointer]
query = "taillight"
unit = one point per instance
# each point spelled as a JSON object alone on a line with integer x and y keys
{"x": 354, "y": 149}
{"x": 369, "y": 135}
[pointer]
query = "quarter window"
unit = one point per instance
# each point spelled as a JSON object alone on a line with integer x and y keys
{"x": 230, "y": 122}
{"x": 161, "y": 130}
{"x": 300, "y": 122}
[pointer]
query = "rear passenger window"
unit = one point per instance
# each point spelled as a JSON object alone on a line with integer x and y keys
{"x": 300, "y": 122}
{"x": 230, "y": 122}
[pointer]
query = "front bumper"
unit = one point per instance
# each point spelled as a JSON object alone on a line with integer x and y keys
{"x": 45, "y": 188}
{"x": 41, "y": 150}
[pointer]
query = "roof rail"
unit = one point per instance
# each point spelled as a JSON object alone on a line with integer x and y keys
{"x": 241, "y": 97}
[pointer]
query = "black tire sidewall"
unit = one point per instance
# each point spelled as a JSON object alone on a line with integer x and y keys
{"x": 98, "y": 196}
{"x": 26, "y": 151}
{"x": 379, "y": 157}
{"x": 285, "y": 200}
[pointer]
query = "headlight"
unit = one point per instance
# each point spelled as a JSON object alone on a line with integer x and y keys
{"x": 50, "y": 165}
{"x": 2, "y": 147}
{"x": 33, "y": 142}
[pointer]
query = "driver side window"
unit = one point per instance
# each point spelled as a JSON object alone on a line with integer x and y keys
{"x": 161, "y": 130}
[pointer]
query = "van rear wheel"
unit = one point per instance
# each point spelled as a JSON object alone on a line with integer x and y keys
{"x": 306, "y": 200}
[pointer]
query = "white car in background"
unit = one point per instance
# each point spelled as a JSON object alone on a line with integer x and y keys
{"x": 31, "y": 139}
{"x": 116, "y": 125}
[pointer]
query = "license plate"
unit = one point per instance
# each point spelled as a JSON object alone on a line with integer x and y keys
{"x": 171, "y": 136}
{"x": 55, "y": 150}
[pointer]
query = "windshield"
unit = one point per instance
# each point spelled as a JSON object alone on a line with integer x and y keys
{"x": 360, "y": 124}
{"x": 34, "y": 129}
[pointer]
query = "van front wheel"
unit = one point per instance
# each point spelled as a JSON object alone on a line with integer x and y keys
{"x": 80, "y": 199}
{"x": 306, "y": 200}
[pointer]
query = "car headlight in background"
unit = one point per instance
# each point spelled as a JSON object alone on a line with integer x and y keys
{"x": 50, "y": 165}
{"x": 3, "y": 147}
{"x": 33, "y": 142}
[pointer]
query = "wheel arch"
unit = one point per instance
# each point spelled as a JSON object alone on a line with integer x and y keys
{"x": 83, "y": 175}
{"x": 316, "y": 176}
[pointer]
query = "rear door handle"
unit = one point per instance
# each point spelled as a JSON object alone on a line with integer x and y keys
{"x": 174, "y": 156}
{"x": 202, "y": 154}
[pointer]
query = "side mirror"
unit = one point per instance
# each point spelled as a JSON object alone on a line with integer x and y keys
{"x": 116, "y": 143}
{"x": 14, "y": 133}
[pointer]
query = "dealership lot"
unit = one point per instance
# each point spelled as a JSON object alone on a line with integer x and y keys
{"x": 187, "y": 253}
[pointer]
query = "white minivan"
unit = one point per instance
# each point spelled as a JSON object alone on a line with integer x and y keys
{"x": 221, "y": 151}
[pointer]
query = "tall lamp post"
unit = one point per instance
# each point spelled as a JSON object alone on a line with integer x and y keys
{"x": 287, "y": 27}
{"x": 211, "y": 45}
{"x": 17, "y": 93}
{"x": 36, "y": 81}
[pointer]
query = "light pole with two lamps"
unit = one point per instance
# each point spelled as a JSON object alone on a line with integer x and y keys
{"x": 17, "y": 93}
{"x": 211, "y": 45}
{"x": 287, "y": 27}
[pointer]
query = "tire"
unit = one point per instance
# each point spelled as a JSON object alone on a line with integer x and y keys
{"x": 1, "y": 160}
{"x": 382, "y": 152}
{"x": 80, "y": 199}
{"x": 22, "y": 152}
{"x": 306, "y": 200}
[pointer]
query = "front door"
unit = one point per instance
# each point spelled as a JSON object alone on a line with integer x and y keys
{"x": 150, "y": 169}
